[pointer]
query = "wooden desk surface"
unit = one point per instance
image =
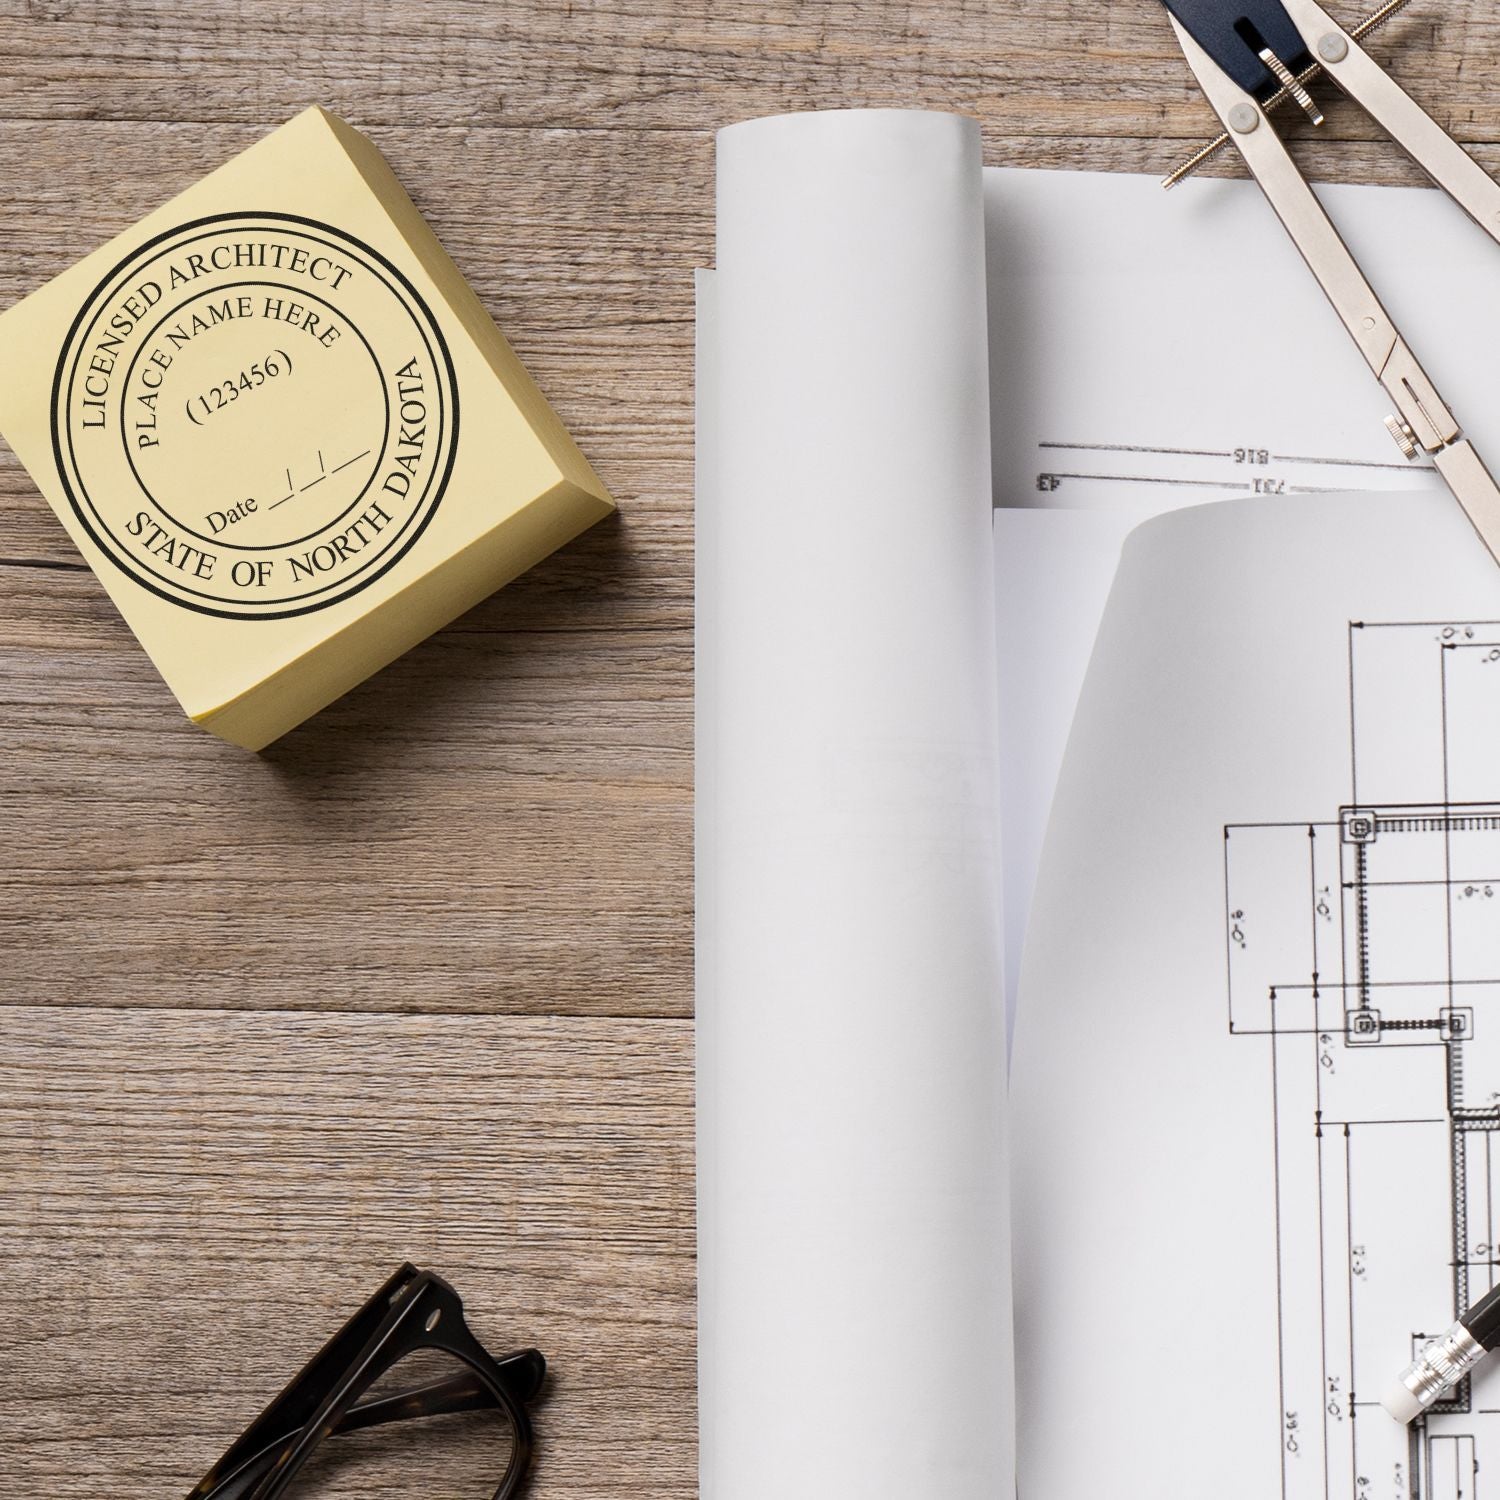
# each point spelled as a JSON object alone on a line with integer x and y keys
{"x": 416, "y": 983}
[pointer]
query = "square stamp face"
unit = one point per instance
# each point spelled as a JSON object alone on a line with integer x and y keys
{"x": 245, "y": 411}
{"x": 254, "y": 415}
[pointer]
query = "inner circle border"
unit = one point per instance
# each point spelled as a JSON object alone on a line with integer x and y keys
{"x": 418, "y": 307}
{"x": 139, "y": 354}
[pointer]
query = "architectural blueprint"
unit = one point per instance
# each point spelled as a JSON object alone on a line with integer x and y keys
{"x": 1363, "y": 951}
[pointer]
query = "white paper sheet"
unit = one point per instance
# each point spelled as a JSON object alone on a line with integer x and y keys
{"x": 849, "y": 885}
{"x": 854, "y": 1334}
{"x": 1155, "y": 349}
{"x": 1258, "y": 1028}
{"x": 1150, "y": 350}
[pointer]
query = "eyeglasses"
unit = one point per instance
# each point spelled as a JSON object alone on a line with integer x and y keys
{"x": 414, "y": 1311}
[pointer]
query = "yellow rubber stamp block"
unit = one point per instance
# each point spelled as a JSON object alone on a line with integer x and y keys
{"x": 281, "y": 428}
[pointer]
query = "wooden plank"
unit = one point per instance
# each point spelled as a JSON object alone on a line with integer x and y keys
{"x": 1033, "y": 67}
{"x": 500, "y": 820}
{"x": 194, "y": 1201}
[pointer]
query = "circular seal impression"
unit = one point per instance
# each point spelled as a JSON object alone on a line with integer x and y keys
{"x": 255, "y": 415}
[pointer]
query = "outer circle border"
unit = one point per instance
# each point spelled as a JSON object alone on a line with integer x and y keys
{"x": 440, "y": 482}
{"x": 325, "y": 594}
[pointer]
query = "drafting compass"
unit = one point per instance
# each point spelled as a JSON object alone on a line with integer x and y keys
{"x": 1249, "y": 56}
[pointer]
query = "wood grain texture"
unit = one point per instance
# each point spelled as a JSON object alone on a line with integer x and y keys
{"x": 194, "y": 1201}
{"x": 416, "y": 983}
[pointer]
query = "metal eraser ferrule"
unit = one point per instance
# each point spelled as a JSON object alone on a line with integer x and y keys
{"x": 1440, "y": 1365}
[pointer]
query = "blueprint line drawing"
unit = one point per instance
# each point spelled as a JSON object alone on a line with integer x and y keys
{"x": 1363, "y": 954}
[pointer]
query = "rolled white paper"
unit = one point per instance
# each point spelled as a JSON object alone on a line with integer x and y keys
{"x": 853, "y": 1237}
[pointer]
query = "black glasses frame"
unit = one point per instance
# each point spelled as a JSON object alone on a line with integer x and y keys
{"x": 414, "y": 1310}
